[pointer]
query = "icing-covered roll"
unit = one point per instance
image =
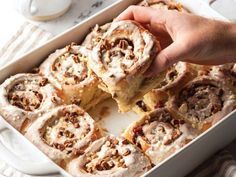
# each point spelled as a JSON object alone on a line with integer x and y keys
{"x": 95, "y": 35}
{"x": 226, "y": 72}
{"x": 120, "y": 60}
{"x": 110, "y": 156}
{"x": 24, "y": 97}
{"x": 67, "y": 70}
{"x": 203, "y": 101}
{"x": 175, "y": 77}
{"x": 162, "y": 4}
{"x": 63, "y": 133}
{"x": 159, "y": 134}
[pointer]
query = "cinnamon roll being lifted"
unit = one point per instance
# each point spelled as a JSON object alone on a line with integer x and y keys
{"x": 63, "y": 133}
{"x": 95, "y": 35}
{"x": 120, "y": 60}
{"x": 67, "y": 70}
{"x": 203, "y": 101}
{"x": 110, "y": 156}
{"x": 162, "y": 4}
{"x": 24, "y": 97}
{"x": 159, "y": 134}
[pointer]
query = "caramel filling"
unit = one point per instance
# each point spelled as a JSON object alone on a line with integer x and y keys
{"x": 26, "y": 94}
{"x": 201, "y": 101}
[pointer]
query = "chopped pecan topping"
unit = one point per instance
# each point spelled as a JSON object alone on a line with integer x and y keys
{"x": 61, "y": 147}
{"x": 127, "y": 152}
{"x": 77, "y": 152}
{"x": 138, "y": 131}
{"x": 75, "y": 58}
{"x": 142, "y": 105}
{"x": 43, "y": 82}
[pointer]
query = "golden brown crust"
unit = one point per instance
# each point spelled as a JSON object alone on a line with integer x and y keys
{"x": 203, "y": 101}
{"x": 159, "y": 134}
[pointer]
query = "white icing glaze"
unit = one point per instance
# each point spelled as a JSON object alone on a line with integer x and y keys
{"x": 135, "y": 163}
{"x": 105, "y": 65}
{"x": 16, "y": 115}
{"x": 64, "y": 57}
{"x": 56, "y": 127}
{"x": 159, "y": 135}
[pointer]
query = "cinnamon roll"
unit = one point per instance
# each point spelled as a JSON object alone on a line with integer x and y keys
{"x": 95, "y": 35}
{"x": 159, "y": 134}
{"x": 63, "y": 133}
{"x": 120, "y": 60}
{"x": 110, "y": 156}
{"x": 226, "y": 72}
{"x": 24, "y": 97}
{"x": 162, "y": 4}
{"x": 67, "y": 70}
{"x": 203, "y": 101}
{"x": 175, "y": 77}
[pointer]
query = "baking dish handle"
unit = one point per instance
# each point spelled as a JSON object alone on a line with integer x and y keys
{"x": 25, "y": 166}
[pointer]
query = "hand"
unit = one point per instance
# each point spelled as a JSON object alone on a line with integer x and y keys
{"x": 185, "y": 37}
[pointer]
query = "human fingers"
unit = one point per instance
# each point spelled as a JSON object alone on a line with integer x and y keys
{"x": 142, "y": 15}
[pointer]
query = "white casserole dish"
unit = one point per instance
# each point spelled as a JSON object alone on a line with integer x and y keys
{"x": 28, "y": 159}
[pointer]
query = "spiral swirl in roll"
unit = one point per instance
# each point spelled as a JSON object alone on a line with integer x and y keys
{"x": 63, "y": 133}
{"x": 24, "y": 97}
{"x": 95, "y": 36}
{"x": 67, "y": 70}
{"x": 110, "y": 156}
{"x": 159, "y": 134}
{"x": 204, "y": 101}
{"x": 120, "y": 60}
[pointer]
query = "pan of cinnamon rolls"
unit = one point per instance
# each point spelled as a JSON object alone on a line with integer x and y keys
{"x": 51, "y": 107}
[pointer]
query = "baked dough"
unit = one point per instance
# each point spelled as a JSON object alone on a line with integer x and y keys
{"x": 67, "y": 70}
{"x": 95, "y": 35}
{"x": 175, "y": 77}
{"x": 120, "y": 60}
{"x": 162, "y": 4}
{"x": 159, "y": 134}
{"x": 226, "y": 72}
{"x": 110, "y": 157}
{"x": 24, "y": 97}
{"x": 63, "y": 133}
{"x": 203, "y": 101}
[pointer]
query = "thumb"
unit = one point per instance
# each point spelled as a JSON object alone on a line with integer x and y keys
{"x": 166, "y": 58}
